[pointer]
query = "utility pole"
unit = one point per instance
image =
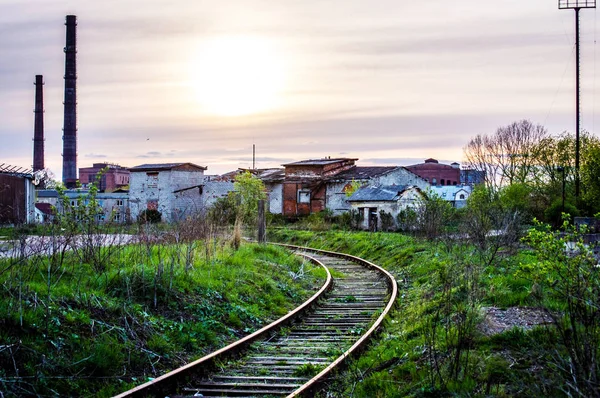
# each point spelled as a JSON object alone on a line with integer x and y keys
{"x": 576, "y": 5}
{"x": 262, "y": 223}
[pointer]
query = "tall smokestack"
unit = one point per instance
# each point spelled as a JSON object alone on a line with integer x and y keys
{"x": 38, "y": 128}
{"x": 69, "y": 173}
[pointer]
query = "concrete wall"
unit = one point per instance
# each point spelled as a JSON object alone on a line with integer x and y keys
{"x": 337, "y": 200}
{"x": 409, "y": 199}
{"x": 156, "y": 189}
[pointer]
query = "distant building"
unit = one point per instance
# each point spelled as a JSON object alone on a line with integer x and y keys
{"x": 457, "y": 195}
{"x": 437, "y": 173}
{"x": 471, "y": 177}
{"x": 373, "y": 201}
{"x": 114, "y": 177}
{"x": 310, "y": 186}
{"x": 174, "y": 189}
{"x": 305, "y": 187}
{"x": 114, "y": 205}
{"x": 17, "y": 196}
{"x": 338, "y": 185}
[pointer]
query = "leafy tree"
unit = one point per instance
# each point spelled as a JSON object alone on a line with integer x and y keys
{"x": 590, "y": 178}
{"x": 491, "y": 223}
{"x": 353, "y": 187}
{"x": 248, "y": 190}
{"x": 431, "y": 217}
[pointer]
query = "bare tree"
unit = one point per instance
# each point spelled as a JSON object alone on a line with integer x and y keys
{"x": 509, "y": 155}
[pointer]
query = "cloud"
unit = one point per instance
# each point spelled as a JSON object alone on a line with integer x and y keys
{"x": 94, "y": 155}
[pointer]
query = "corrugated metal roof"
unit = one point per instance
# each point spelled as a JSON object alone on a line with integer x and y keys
{"x": 319, "y": 162}
{"x": 362, "y": 173}
{"x": 163, "y": 166}
{"x": 378, "y": 194}
{"x": 271, "y": 175}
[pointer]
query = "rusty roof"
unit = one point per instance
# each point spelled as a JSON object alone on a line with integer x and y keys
{"x": 271, "y": 175}
{"x": 362, "y": 173}
{"x": 163, "y": 166}
{"x": 319, "y": 162}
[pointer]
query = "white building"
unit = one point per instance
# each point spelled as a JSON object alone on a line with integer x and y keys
{"x": 371, "y": 201}
{"x": 457, "y": 195}
{"x": 174, "y": 189}
{"x": 337, "y": 185}
{"x": 114, "y": 205}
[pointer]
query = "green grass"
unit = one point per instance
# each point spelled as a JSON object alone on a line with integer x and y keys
{"x": 397, "y": 364}
{"x": 73, "y": 330}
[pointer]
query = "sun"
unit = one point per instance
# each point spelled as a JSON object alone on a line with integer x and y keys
{"x": 237, "y": 75}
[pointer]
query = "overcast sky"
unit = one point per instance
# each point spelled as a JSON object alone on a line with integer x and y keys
{"x": 386, "y": 81}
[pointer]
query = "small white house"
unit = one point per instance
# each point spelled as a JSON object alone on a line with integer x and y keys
{"x": 376, "y": 202}
{"x": 457, "y": 195}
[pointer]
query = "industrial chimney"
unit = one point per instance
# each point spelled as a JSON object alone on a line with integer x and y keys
{"x": 38, "y": 128}
{"x": 69, "y": 173}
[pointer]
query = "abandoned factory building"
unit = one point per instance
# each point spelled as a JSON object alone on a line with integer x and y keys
{"x": 174, "y": 189}
{"x": 310, "y": 186}
{"x": 17, "y": 196}
{"x": 112, "y": 176}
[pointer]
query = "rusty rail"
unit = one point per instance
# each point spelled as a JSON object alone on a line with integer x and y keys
{"x": 164, "y": 383}
{"x": 173, "y": 381}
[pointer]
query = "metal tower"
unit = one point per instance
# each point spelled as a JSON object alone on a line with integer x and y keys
{"x": 576, "y": 5}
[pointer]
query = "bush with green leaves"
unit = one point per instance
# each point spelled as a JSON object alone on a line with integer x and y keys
{"x": 567, "y": 280}
{"x": 151, "y": 216}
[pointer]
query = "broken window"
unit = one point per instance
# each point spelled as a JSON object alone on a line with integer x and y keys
{"x": 152, "y": 181}
{"x": 304, "y": 196}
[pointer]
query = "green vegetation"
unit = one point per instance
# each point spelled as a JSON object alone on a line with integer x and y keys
{"x": 85, "y": 313}
{"x": 70, "y": 329}
{"x": 436, "y": 344}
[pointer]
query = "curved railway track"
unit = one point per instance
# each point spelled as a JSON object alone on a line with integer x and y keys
{"x": 293, "y": 356}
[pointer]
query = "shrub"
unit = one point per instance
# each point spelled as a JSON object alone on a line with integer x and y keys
{"x": 150, "y": 216}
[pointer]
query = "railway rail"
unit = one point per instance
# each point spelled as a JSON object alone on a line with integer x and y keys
{"x": 295, "y": 355}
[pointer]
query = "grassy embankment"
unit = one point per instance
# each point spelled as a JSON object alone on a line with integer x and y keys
{"x": 74, "y": 328}
{"x": 432, "y": 344}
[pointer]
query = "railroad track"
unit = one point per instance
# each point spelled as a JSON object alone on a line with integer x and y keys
{"x": 293, "y": 356}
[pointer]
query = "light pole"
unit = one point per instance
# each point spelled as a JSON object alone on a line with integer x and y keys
{"x": 576, "y": 5}
{"x": 562, "y": 169}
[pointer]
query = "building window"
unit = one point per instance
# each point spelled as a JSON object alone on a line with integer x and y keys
{"x": 120, "y": 202}
{"x": 152, "y": 180}
{"x": 100, "y": 217}
{"x": 442, "y": 181}
{"x": 117, "y": 217}
{"x": 433, "y": 181}
{"x": 462, "y": 196}
{"x": 73, "y": 203}
{"x": 304, "y": 196}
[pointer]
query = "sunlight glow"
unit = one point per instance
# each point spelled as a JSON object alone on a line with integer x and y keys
{"x": 237, "y": 75}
